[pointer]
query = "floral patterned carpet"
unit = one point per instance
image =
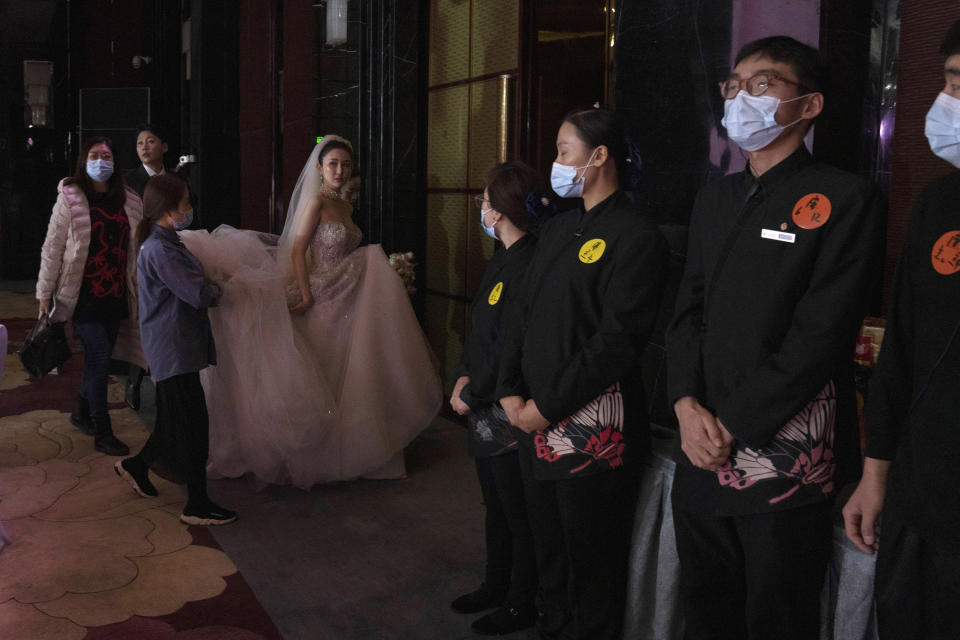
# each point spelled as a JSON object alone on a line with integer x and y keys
{"x": 86, "y": 557}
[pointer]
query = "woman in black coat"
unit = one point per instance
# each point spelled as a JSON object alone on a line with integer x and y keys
{"x": 510, "y": 208}
{"x": 570, "y": 380}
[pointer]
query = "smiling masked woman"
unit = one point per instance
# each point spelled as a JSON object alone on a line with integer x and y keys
{"x": 323, "y": 372}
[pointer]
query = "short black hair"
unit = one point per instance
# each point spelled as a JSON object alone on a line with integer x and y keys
{"x": 153, "y": 128}
{"x": 601, "y": 127}
{"x": 951, "y": 43}
{"x": 807, "y": 63}
{"x": 510, "y": 186}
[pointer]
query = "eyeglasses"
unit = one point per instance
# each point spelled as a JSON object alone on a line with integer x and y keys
{"x": 480, "y": 201}
{"x": 756, "y": 85}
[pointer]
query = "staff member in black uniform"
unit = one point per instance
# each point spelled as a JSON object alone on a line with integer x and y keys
{"x": 150, "y": 149}
{"x": 151, "y": 146}
{"x": 782, "y": 260}
{"x": 912, "y": 468}
{"x": 510, "y": 207}
{"x": 570, "y": 380}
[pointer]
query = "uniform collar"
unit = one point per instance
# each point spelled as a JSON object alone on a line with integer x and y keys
{"x": 603, "y": 204}
{"x": 519, "y": 244}
{"x": 784, "y": 169}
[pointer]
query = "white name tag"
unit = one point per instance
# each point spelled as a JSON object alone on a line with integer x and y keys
{"x": 781, "y": 236}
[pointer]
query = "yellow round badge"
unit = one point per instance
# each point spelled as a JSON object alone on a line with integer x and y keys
{"x": 494, "y": 296}
{"x": 592, "y": 250}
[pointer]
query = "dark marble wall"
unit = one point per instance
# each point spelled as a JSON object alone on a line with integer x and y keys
{"x": 370, "y": 91}
{"x": 213, "y": 106}
{"x": 668, "y": 59}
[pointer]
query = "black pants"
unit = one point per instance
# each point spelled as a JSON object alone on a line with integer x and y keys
{"x": 180, "y": 441}
{"x": 917, "y": 586}
{"x": 753, "y": 577}
{"x": 582, "y": 528}
{"x": 511, "y": 563}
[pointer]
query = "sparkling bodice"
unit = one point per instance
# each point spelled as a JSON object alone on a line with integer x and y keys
{"x": 332, "y": 242}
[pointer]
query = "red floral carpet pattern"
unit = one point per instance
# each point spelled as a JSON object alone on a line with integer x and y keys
{"x": 87, "y": 558}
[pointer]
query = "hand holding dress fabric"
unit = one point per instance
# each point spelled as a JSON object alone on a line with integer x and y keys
{"x": 334, "y": 390}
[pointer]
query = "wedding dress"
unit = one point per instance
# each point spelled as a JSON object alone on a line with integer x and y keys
{"x": 332, "y": 394}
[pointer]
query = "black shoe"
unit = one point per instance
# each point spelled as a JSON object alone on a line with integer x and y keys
{"x": 479, "y": 600}
{"x": 140, "y": 482}
{"x": 207, "y": 514}
{"x": 505, "y": 620}
{"x": 80, "y": 418}
{"x": 131, "y": 394}
{"x": 103, "y": 438}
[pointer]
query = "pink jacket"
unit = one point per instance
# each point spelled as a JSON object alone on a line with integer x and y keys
{"x": 64, "y": 256}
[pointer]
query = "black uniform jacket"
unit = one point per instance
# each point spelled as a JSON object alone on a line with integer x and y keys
{"x": 136, "y": 179}
{"x": 481, "y": 349}
{"x": 913, "y": 404}
{"x": 778, "y": 278}
{"x": 587, "y": 308}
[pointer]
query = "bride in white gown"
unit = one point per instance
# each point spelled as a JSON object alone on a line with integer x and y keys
{"x": 323, "y": 372}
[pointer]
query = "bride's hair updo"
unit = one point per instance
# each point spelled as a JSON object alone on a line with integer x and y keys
{"x": 515, "y": 190}
{"x": 330, "y": 146}
{"x": 162, "y": 194}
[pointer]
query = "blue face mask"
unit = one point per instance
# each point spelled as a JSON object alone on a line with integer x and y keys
{"x": 99, "y": 170}
{"x": 487, "y": 230}
{"x": 180, "y": 225}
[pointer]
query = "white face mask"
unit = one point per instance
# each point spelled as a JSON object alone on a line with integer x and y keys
{"x": 180, "y": 225}
{"x": 943, "y": 128}
{"x": 750, "y": 120}
{"x": 487, "y": 230}
{"x": 563, "y": 178}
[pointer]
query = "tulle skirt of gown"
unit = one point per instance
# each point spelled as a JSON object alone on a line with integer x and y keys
{"x": 333, "y": 394}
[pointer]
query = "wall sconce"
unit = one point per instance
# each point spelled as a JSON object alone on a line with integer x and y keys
{"x": 336, "y": 22}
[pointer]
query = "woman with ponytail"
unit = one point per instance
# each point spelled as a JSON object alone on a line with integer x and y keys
{"x": 570, "y": 380}
{"x": 174, "y": 297}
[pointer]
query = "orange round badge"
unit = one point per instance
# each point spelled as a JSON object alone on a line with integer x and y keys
{"x": 811, "y": 211}
{"x": 946, "y": 253}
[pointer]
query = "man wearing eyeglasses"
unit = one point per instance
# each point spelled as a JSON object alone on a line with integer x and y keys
{"x": 913, "y": 433}
{"x": 781, "y": 261}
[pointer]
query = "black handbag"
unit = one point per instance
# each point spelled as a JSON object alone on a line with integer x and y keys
{"x": 45, "y": 348}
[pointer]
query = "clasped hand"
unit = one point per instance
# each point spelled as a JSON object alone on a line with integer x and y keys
{"x": 703, "y": 438}
{"x": 524, "y": 415}
{"x": 459, "y": 405}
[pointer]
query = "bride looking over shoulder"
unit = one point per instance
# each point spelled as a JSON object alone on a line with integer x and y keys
{"x": 332, "y": 204}
{"x": 324, "y": 373}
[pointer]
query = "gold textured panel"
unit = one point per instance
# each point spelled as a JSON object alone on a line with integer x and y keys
{"x": 446, "y": 242}
{"x": 449, "y": 56}
{"x": 445, "y": 328}
{"x": 496, "y": 35}
{"x": 447, "y": 138}
{"x": 484, "y": 129}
